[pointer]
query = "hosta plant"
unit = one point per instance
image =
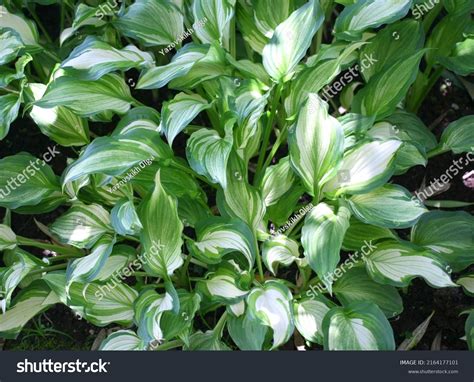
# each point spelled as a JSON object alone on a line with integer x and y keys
{"x": 227, "y": 168}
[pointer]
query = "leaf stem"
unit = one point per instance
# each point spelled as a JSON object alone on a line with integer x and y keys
{"x": 53, "y": 247}
{"x": 48, "y": 269}
{"x": 170, "y": 345}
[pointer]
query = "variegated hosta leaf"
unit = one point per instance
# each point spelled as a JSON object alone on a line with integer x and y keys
{"x": 397, "y": 263}
{"x": 247, "y": 26}
{"x": 226, "y": 286}
{"x": 355, "y": 285}
{"x": 459, "y": 135}
{"x": 83, "y": 16}
{"x": 103, "y": 304}
{"x": 26, "y": 29}
{"x": 178, "y": 325}
{"x": 209, "y": 341}
{"x": 278, "y": 180}
{"x": 7, "y": 238}
{"x": 149, "y": 308}
{"x": 358, "y": 326}
{"x": 87, "y": 98}
{"x": 9, "y": 75}
{"x": 450, "y": 235}
{"x": 124, "y": 218}
{"x": 204, "y": 60}
{"x": 290, "y": 41}
{"x": 469, "y": 329}
{"x": 124, "y": 340}
{"x": 365, "y": 168}
{"x": 316, "y": 145}
{"x": 467, "y": 282}
{"x": 116, "y": 154}
{"x": 87, "y": 268}
{"x": 246, "y": 331}
{"x": 82, "y": 225}
{"x": 179, "y": 113}
{"x": 10, "y": 45}
{"x": 27, "y": 181}
{"x": 239, "y": 199}
{"x": 94, "y": 58}
{"x": 386, "y": 89}
{"x": 461, "y": 60}
{"x": 214, "y": 17}
{"x": 119, "y": 261}
{"x": 58, "y": 123}
{"x": 215, "y": 239}
{"x": 142, "y": 117}
{"x": 359, "y": 234}
{"x": 9, "y": 108}
{"x": 358, "y": 17}
{"x": 389, "y": 206}
{"x": 208, "y": 154}
{"x": 152, "y": 22}
{"x": 268, "y": 15}
{"x": 272, "y": 305}
{"x": 11, "y": 276}
{"x": 309, "y": 315}
{"x": 279, "y": 250}
{"x": 161, "y": 234}
{"x": 27, "y": 305}
{"x": 321, "y": 236}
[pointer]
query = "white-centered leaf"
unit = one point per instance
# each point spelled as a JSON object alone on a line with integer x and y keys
{"x": 279, "y": 250}
{"x": 309, "y": 315}
{"x": 123, "y": 340}
{"x": 397, "y": 263}
{"x": 316, "y": 145}
{"x": 459, "y": 135}
{"x": 26, "y": 29}
{"x": 272, "y": 305}
{"x": 161, "y": 234}
{"x": 321, "y": 236}
{"x": 9, "y": 108}
{"x": 124, "y": 218}
{"x": 358, "y": 326}
{"x": 277, "y": 181}
{"x": 7, "y": 238}
{"x": 10, "y": 45}
{"x": 290, "y": 41}
{"x": 467, "y": 282}
{"x": 212, "y": 20}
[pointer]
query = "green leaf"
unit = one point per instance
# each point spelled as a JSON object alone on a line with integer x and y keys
{"x": 469, "y": 329}
{"x": 291, "y": 40}
{"x": 208, "y": 154}
{"x": 26, "y": 29}
{"x": 28, "y": 304}
{"x": 208, "y": 341}
{"x": 214, "y": 17}
{"x": 247, "y": 332}
{"x": 467, "y": 282}
{"x": 269, "y": 15}
{"x": 247, "y": 26}
{"x": 358, "y": 326}
{"x": 365, "y": 14}
{"x": 277, "y": 181}
{"x": 9, "y": 108}
{"x": 447, "y": 234}
{"x": 178, "y": 113}
{"x": 356, "y": 286}
{"x": 458, "y": 6}
{"x": 389, "y": 206}
{"x": 7, "y": 238}
{"x": 115, "y": 155}
{"x": 152, "y": 22}
{"x": 217, "y": 237}
{"x": 461, "y": 60}
{"x": 10, "y": 46}
{"x": 316, "y": 144}
{"x": 309, "y": 315}
{"x": 224, "y": 286}
{"x": 459, "y": 135}
{"x": 84, "y": 15}
{"x": 397, "y": 263}
{"x": 410, "y": 342}
{"x": 174, "y": 325}
{"x": 94, "y": 58}
{"x": 279, "y": 250}
{"x": 82, "y": 225}
{"x": 87, "y": 268}
{"x": 368, "y": 166}
{"x": 321, "y": 236}
{"x": 124, "y": 340}
{"x": 358, "y": 234}
{"x": 88, "y": 98}
{"x": 58, "y": 123}
{"x": 161, "y": 234}
{"x": 124, "y": 218}
{"x": 27, "y": 181}
{"x": 271, "y": 305}
{"x": 387, "y": 88}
